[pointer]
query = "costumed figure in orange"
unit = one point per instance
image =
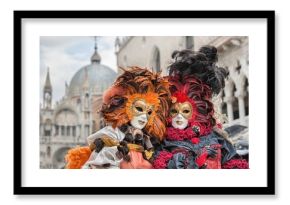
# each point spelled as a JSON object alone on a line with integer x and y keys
{"x": 135, "y": 109}
{"x": 194, "y": 138}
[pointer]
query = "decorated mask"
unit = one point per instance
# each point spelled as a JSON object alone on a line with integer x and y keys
{"x": 141, "y": 112}
{"x": 139, "y": 121}
{"x": 183, "y": 110}
{"x": 181, "y": 113}
{"x": 179, "y": 122}
{"x": 141, "y": 109}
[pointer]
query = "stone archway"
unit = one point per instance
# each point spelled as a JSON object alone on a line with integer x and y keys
{"x": 66, "y": 121}
{"x": 243, "y": 95}
{"x": 58, "y": 159}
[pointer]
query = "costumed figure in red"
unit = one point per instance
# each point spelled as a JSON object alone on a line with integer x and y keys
{"x": 135, "y": 109}
{"x": 194, "y": 139}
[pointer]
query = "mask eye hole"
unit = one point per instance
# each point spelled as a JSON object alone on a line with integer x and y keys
{"x": 149, "y": 112}
{"x": 186, "y": 111}
{"x": 173, "y": 111}
{"x": 139, "y": 109}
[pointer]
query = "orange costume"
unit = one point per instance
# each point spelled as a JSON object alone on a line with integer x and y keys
{"x": 135, "y": 110}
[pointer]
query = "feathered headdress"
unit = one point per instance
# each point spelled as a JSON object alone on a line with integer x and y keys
{"x": 196, "y": 74}
{"x": 138, "y": 83}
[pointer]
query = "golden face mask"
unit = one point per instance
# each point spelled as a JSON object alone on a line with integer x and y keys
{"x": 185, "y": 109}
{"x": 140, "y": 107}
{"x": 139, "y": 104}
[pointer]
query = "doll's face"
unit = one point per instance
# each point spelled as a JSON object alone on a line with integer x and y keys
{"x": 181, "y": 113}
{"x": 141, "y": 112}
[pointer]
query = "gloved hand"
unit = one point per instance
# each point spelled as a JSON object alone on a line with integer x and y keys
{"x": 99, "y": 145}
{"x": 123, "y": 151}
{"x": 139, "y": 140}
{"x": 129, "y": 138}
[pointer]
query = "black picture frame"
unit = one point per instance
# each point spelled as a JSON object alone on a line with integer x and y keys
{"x": 19, "y": 189}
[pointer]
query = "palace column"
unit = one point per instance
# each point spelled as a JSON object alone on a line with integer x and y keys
{"x": 241, "y": 98}
{"x": 229, "y": 100}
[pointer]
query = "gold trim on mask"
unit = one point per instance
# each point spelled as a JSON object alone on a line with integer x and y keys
{"x": 140, "y": 107}
{"x": 185, "y": 109}
{"x": 139, "y": 104}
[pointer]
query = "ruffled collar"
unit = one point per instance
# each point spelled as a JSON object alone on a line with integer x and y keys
{"x": 189, "y": 133}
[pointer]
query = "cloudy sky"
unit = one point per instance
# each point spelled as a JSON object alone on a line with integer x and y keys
{"x": 66, "y": 55}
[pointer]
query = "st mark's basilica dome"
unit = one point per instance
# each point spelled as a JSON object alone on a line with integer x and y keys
{"x": 99, "y": 77}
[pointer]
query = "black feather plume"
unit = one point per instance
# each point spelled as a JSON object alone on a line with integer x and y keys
{"x": 201, "y": 65}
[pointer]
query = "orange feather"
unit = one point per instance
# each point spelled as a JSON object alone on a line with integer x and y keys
{"x": 77, "y": 157}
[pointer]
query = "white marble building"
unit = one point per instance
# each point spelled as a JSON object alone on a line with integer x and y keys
{"x": 154, "y": 52}
{"x": 67, "y": 123}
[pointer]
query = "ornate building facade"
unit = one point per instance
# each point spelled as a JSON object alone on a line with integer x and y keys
{"x": 154, "y": 52}
{"x": 68, "y": 123}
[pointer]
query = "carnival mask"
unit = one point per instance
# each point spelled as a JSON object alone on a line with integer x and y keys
{"x": 141, "y": 108}
{"x": 139, "y": 121}
{"x": 141, "y": 112}
{"x": 181, "y": 113}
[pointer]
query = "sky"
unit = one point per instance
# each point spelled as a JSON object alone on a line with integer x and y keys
{"x": 65, "y": 55}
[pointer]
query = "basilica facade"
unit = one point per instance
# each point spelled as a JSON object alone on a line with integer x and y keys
{"x": 68, "y": 123}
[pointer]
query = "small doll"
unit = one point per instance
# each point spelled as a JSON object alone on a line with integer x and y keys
{"x": 194, "y": 139}
{"x": 135, "y": 110}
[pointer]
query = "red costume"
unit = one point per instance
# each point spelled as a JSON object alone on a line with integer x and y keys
{"x": 194, "y": 139}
